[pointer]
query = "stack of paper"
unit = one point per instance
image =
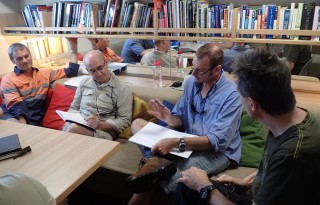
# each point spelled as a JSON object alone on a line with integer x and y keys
{"x": 152, "y": 133}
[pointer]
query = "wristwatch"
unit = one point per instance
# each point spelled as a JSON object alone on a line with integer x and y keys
{"x": 206, "y": 190}
{"x": 182, "y": 145}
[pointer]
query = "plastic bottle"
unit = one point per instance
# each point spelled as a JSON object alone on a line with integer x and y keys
{"x": 180, "y": 59}
{"x": 157, "y": 73}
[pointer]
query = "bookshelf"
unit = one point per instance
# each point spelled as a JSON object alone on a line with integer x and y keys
{"x": 9, "y": 28}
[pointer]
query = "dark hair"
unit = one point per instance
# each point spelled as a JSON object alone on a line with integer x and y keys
{"x": 265, "y": 78}
{"x": 213, "y": 52}
{"x": 14, "y": 47}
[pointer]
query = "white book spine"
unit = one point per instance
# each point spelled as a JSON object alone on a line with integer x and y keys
{"x": 281, "y": 18}
{"x": 316, "y": 22}
{"x": 298, "y": 19}
{"x": 293, "y": 24}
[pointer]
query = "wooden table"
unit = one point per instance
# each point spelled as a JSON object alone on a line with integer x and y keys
{"x": 143, "y": 81}
{"x": 61, "y": 161}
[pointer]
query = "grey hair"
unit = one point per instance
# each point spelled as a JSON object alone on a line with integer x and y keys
{"x": 14, "y": 47}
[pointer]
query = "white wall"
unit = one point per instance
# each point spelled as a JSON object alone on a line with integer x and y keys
{"x": 9, "y": 6}
{"x": 6, "y": 65}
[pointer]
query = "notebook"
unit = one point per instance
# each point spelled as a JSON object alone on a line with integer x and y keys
{"x": 9, "y": 146}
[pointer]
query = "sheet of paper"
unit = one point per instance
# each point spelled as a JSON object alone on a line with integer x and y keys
{"x": 75, "y": 81}
{"x": 117, "y": 66}
{"x": 72, "y": 117}
{"x": 152, "y": 133}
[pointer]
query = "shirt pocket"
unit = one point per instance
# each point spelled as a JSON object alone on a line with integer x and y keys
{"x": 88, "y": 98}
{"x": 213, "y": 108}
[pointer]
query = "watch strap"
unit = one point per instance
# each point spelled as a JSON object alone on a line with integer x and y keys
{"x": 206, "y": 190}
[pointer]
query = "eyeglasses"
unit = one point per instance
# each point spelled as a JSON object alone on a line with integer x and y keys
{"x": 193, "y": 107}
{"x": 114, "y": 105}
{"x": 198, "y": 70}
{"x": 98, "y": 69}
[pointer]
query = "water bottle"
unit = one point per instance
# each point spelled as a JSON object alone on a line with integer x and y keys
{"x": 157, "y": 73}
{"x": 180, "y": 59}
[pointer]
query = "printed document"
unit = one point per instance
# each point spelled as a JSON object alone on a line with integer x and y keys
{"x": 152, "y": 133}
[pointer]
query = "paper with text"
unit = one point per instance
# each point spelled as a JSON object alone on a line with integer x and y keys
{"x": 152, "y": 133}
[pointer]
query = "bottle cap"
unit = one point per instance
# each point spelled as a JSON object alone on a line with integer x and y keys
{"x": 156, "y": 63}
{"x": 180, "y": 51}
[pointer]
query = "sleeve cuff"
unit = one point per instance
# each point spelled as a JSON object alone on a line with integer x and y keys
{"x": 72, "y": 70}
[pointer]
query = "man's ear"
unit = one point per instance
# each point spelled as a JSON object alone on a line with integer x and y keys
{"x": 253, "y": 104}
{"x": 218, "y": 68}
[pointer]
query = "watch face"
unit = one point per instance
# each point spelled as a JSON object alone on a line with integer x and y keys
{"x": 182, "y": 145}
{"x": 203, "y": 193}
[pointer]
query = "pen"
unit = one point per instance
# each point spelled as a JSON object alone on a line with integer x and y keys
{"x": 23, "y": 152}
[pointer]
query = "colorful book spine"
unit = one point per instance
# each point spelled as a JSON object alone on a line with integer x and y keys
{"x": 270, "y": 19}
{"x": 307, "y": 19}
{"x": 286, "y": 20}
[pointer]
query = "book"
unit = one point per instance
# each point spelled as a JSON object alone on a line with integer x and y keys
{"x": 9, "y": 146}
{"x": 152, "y": 133}
{"x": 270, "y": 18}
{"x": 74, "y": 117}
{"x": 286, "y": 20}
{"x": 307, "y": 19}
{"x": 316, "y": 22}
{"x": 298, "y": 19}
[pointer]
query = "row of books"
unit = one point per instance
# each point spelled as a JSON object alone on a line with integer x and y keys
{"x": 112, "y": 13}
{"x": 301, "y": 16}
{"x": 177, "y": 14}
{"x": 194, "y": 14}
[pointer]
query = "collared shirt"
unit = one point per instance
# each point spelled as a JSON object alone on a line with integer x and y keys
{"x": 25, "y": 96}
{"x": 132, "y": 49}
{"x": 216, "y": 116}
{"x": 165, "y": 59}
{"x": 113, "y": 99}
{"x": 111, "y": 56}
{"x": 231, "y": 54}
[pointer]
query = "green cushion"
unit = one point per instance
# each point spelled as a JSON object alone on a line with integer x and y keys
{"x": 253, "y": 138}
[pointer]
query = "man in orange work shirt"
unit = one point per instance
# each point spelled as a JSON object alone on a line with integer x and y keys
{"x": 25, "y": 89}
{"x": 110, "y": 56}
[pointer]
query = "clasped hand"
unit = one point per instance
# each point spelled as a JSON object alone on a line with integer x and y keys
{"x": 93, "y": 121}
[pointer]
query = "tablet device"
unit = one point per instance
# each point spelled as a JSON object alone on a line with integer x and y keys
{"x": 9, "y": 146}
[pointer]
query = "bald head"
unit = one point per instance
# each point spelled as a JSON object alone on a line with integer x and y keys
{"x": 94, "y": 55}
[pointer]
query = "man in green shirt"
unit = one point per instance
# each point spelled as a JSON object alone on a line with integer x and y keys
{"x": 297, "y": 56}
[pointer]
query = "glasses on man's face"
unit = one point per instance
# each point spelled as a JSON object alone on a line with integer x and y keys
{"x": 197, "y": 70}
{"x": 94, "y": 71}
